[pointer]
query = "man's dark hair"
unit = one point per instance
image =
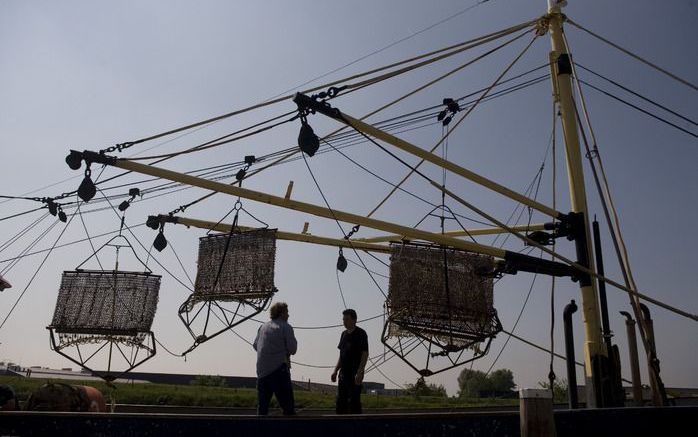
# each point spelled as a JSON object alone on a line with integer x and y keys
{"x": 349, "y": 312}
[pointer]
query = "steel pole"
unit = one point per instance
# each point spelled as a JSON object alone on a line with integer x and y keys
{"x": 570, "y": 309}
{"x": 634, "y": 361}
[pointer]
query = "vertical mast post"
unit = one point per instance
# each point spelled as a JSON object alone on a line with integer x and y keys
{"x": 595, "y": 355}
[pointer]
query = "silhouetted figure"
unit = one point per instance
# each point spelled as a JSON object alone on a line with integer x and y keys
{"x": 353, "y": 354}
{"x": 275, "y": 343}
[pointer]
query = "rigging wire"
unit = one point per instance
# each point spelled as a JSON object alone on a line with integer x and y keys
{"x": 520, "y": 208}
{"x": 21, "y": 213}
{"x": 539, "y": 347}
{"x": 633, "y": 55}
{"x": 625, "y": 102}
{"x": 390, "y": 183}
{"x": 169, "y": 243}
{"x": 375, "y": 52}
{"x": 469, "y": 44}
{"x": 551, "y": 143}
{"x": 385, "y": 376}
{"x": 516, "y": 323}
{"x": 322, "y": 194}
{"x": 19, "y": 298}
{"x": 375, "y": 273}
{"x": 485, "y": 39}
{"x": 128, "y": 228}
{"x": 31, "y": 245}
{"x": 94, "y": 252}
{"x": 636, "y": 94}
{"x": 66, "y": 244}
{"x": 225, "y": 139}
{"x": 22, "y": 233}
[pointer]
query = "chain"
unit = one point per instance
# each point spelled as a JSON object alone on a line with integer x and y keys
{"x": 117, "y": 147}
{"x": 331, "y": 93}
{"x": 354, "y": 230}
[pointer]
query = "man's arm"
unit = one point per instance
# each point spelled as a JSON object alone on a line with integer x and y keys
{"x": 254, "y": 345}
{"x": 291, "y": 342}
{"x": 359, "y": 378}
{"x": 336, "y": 369}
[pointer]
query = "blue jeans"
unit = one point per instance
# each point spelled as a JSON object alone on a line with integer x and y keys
{"x": 277, "y": 383}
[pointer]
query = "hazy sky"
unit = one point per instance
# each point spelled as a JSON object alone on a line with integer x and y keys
{"x": 87, "y": 75}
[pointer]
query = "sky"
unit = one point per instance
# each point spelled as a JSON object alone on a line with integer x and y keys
{"x": 88, "y": 75}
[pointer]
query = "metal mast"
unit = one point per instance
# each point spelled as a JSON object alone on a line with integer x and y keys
{"x": 595, "y": 354}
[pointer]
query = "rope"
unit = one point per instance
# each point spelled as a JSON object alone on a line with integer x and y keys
{"x": 385, "y": 376}
{"x": 326, "y": 326}
{"x": 633, "y": 55}
{"x": 339, "y": 286}
{"x": 552, "y": 278}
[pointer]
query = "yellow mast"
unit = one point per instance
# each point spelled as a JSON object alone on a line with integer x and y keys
{"x": 595, "y": 354}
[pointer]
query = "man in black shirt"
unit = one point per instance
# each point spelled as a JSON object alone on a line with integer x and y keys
{"x": 353, "y": 354}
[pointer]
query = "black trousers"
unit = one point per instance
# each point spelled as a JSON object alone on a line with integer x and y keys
{"x": 276, "y": 383}
{"x": 348, "y": 395}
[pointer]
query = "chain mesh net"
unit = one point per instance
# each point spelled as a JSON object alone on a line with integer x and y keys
{"x": 246, "y": 273}
{"x": 420, "y": 302}
{"x": 112, "y": 303}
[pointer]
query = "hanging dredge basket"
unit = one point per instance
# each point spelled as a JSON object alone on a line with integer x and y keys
{"x": 440, "y": 299}
{"x": 105, "y": 312}
{"x": 234, "y": 282}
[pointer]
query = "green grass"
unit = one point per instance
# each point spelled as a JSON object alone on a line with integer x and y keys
{"x": 196, "y": 395}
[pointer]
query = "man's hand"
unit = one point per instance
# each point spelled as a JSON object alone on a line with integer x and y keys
{"x": 359, "y": 378}
{"x": 334, "y": 376}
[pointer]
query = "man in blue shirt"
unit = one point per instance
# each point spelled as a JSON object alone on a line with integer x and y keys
{"x": 275, "y": 343}
{"x": 353, "y": 354}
